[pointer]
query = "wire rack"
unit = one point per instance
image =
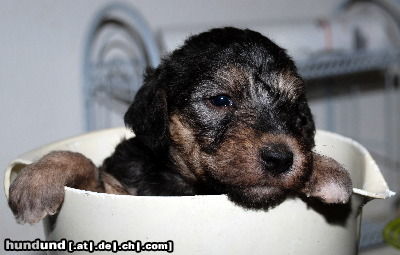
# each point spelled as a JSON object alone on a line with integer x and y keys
{"x": 345, "y": 63}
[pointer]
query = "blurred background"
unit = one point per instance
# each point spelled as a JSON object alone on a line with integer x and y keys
{"x": 68, "y": 67}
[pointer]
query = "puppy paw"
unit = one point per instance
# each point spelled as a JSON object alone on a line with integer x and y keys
{"x": 333, "y": 193}
{"x": 35, "y": 194}
{"x": 329, "y": 182}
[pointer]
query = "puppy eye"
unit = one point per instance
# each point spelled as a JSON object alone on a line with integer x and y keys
{"x": 221, "y": 101}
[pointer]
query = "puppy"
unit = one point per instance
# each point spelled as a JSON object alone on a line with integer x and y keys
{"x": 224, "y": 114}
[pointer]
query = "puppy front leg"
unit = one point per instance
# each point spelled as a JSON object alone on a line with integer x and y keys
{"x": 39, "y": 188}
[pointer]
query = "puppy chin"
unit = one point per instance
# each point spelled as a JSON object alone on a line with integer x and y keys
{"x": 257, "y": 197}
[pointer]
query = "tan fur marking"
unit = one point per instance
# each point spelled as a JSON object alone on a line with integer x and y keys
{"x": 185, "y": 150}
{"x": 238, "y": 161}
{"x": 232, "y": 75}
{"x": 288, "y": 84}
{"x": 113, "y": 186}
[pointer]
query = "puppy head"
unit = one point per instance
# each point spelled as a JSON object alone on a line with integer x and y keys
{"x": 230, "y": 111}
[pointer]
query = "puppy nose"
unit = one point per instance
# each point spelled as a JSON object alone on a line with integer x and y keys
{"x": 276, "y": 158}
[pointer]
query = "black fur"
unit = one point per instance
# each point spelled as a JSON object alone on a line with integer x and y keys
{"x": 182, "y": 85}
{"x": 134, "y": 165}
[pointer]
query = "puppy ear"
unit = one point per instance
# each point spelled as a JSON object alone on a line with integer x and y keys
{"x": 329, "y": 181}
{"x": 148, "y": 115}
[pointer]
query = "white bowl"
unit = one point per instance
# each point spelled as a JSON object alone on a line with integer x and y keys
{"x": 212, "y": 224}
